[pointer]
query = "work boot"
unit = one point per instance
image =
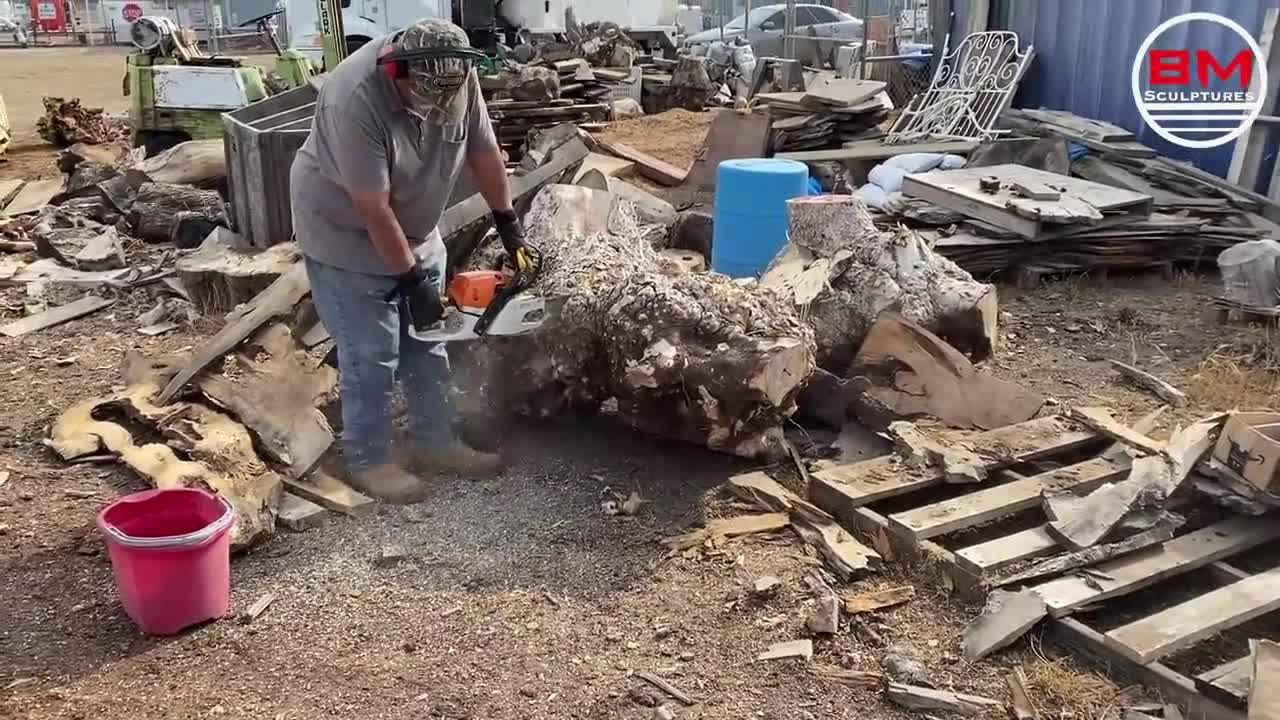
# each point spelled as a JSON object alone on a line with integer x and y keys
{"x": 389, "y": 483}
{"x": 457, "y": 459}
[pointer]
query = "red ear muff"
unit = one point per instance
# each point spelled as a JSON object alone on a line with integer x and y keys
{"x": 393, "y": 68}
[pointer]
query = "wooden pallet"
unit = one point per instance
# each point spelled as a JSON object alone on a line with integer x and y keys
{"x": 857, "y": 493}
{"x": 849, "y": 491}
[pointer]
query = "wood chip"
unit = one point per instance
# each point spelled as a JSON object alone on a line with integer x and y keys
{"x": 667, "y": 688}
{"x": 861, "y": 679}
{"x": 1019, "y": 698}
{"x": 258, "y": 607}
{"x": 878, "y": 599}
{"x": 789, "y": 649}
{"x": 914, "y": 697}
{"x": 722, "y": 528}
{"x": 1162, "y": 389}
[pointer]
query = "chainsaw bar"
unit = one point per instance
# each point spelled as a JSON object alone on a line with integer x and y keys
{"x": 520, "y": 315}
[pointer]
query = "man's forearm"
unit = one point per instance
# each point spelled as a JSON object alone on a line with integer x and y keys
{"x": 389, "y": 240}
{"x": 490, "y": 173}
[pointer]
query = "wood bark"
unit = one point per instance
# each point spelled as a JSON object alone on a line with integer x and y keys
{"x": 844, "y": 555}
{"x": 278, "y": 397}
{"x": 911, "y": 373}
{"x": 201, "y": 447}
{"x": 844, "y": 273}
{"x": 154, "y": 213}
{"x": 695, "y": 357}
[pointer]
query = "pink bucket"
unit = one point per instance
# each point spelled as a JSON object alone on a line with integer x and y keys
{"x": 171, "y": 553}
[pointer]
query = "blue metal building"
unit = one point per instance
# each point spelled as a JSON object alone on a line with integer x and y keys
{"x": 1085, "y": 51}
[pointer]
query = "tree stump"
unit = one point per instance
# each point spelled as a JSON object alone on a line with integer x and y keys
{"x": 845, "y": 272}
{"x": 220, "y": 275}
{"x": 695, "y": 357}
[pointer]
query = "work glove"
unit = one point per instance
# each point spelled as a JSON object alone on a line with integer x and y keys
{"x": 418, "y": 297}
{"x": 511, "y": 232}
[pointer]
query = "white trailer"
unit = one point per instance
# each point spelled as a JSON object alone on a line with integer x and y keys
{"x": 366, "y": 19}
{"x": 362, "y": 21}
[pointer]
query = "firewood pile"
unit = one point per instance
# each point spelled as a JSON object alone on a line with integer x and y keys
{"x": 66, "y": 122}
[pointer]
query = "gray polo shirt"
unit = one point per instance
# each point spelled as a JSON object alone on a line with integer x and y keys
{"x": 363, "y": 138}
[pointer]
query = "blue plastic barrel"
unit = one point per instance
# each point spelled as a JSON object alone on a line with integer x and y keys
{"x": 751, "y": 212}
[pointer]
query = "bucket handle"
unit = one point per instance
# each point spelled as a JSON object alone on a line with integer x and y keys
{"x": 225, "y": 521}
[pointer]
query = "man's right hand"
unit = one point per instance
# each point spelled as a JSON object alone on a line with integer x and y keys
{"x": 418, "y": 297}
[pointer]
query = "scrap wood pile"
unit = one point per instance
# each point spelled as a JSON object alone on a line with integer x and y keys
{"x": 67, "y": 122}
{"x": 828, "y": 113}
{"x": 1116, "y": 205}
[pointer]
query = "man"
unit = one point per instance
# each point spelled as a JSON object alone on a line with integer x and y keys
{"x": 394, "y": 125}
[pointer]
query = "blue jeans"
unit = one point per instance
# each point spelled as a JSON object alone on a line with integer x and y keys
{"x": 372, "y": 346}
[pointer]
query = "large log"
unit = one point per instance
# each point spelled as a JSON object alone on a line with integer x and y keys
{"x": 155, "y": 213}
{"x": 695, "y": 357}
{"x": 202, "y": 163}
{"x": 844, "y": 272}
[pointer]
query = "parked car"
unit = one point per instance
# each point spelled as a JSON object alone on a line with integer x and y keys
{"x": 764, "y": 28}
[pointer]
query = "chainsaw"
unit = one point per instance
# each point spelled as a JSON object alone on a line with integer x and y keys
{"x": 482, "y": 303}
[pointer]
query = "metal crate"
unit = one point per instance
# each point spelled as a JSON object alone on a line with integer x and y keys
{"x": 260, "y": 141}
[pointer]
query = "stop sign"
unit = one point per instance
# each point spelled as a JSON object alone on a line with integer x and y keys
{"x": 131, "y": 11}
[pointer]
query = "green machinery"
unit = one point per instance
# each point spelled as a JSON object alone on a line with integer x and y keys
{"x": 178, "y": 93}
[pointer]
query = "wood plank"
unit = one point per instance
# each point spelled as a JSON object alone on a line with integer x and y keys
{"x": 1184, "y": 625}
{"x": 298, "y": 514}
{"x": 9, "y": 187}
{"x": 1001, "y": 552}
{"x": 1100, "y": 419}
{"x": 840, "y": 92}
{"x": 1247, "y": 155}
{"x": 55, "y": 316}
{"x": 659, "y": 171}
{"x": 871, "y": 480}
{"x": 960, "y": 190}
{"x": 329, "y": 492}
{"x": 843, "y": 554}
{"x": 995, "y": 502}
{"x": 732, "y": 136}
{"x": 1099, "y": 130}
{"x": 1148, "y": 567}
{"x": 33, "y": 196}
{"x": 1232, "y": 679}
{"x": 877, "y": 150}
{"x": 277, "y": 299}
{"x": 1174, "y": 686}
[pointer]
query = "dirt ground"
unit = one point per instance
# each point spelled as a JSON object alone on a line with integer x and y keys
{"x": 519, "y": 598}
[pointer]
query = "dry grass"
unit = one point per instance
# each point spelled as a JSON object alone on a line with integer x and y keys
{"x": 1059, "y": 685}
{"x": 1239, "y": 378}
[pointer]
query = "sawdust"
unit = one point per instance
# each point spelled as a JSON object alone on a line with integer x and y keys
{"x": 674, "y": 136}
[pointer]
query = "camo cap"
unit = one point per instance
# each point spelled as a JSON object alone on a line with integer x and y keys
{"x": 436, "y": 85}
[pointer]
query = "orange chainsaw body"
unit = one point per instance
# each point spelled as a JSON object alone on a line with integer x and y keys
{"x": 477, "y": 288}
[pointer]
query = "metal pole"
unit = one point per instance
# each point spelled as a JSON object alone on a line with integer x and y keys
{"x": 720, "y": 16}
{"x": 789, "y": 30}
{"x": 88, "y": 24}
{"x": 866, "y": 44}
